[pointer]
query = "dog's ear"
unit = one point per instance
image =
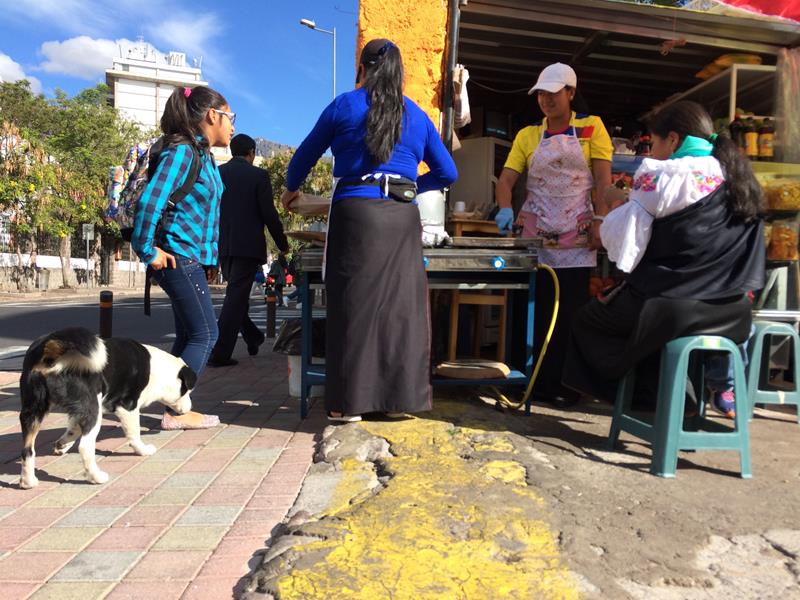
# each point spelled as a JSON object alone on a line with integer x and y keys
{"x": 188, "y": 379}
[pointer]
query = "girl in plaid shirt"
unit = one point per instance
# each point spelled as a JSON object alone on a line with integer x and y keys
{"x": 183, "y": 250}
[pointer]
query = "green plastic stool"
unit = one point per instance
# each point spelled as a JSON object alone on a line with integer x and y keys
{"x": 763, "y": 329}
{"x": 666, "y": 434}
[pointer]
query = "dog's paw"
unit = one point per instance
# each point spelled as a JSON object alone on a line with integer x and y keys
{"x": 60, "y": 449}
{"x": 27, "y": 483}
{"x": 145, "y": 449}
{"x": 97, "y": 477}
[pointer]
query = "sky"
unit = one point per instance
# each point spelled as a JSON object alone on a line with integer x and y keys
{"x": 275, "y": 73}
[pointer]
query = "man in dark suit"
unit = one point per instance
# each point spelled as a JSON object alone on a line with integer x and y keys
{"x": 247, "y": 206}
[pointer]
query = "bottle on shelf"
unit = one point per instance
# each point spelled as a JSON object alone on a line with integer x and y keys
{"x": 766, "y": 138}
{"x": 737, "y": 132}
{"x": 751, "y": 139}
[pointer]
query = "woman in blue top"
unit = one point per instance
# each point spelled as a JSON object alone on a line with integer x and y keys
{"x": 378, "y": 327}
{"x": 183, "y": 250}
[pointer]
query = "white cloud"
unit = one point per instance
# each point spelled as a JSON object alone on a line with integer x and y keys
{"x": 70, "y": 15}
{"x": 13, "y": 71}
{"x": 82, "y": 56}
{"x": 194, "y": 36}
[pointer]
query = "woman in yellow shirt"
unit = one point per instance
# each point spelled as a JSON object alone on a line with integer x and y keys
{"x": 566, "y": 157}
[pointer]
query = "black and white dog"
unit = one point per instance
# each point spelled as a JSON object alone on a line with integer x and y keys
{"x": 85, "y": 376}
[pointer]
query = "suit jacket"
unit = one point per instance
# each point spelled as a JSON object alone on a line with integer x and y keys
{"x": 247, "y": 206}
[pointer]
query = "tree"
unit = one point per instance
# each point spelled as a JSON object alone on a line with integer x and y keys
{"x": 319, "y": 182}
{"x": 78, "y": 139}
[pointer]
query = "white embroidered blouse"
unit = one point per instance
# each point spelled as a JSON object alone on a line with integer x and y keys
{"x": 660, "y": 188}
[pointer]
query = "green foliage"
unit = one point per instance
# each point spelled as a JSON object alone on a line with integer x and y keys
{"x": 55, "y": 178}
{"x": 319, "y": 182}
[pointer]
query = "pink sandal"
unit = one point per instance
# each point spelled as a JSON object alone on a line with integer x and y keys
{"x": 172, "y": 422}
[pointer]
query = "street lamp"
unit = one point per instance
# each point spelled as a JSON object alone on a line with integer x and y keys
{"x": 312, "y": 25}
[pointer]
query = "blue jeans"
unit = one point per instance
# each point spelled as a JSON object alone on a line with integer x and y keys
{"x": 195, "y": 323}
{"x": 719, "y": 366}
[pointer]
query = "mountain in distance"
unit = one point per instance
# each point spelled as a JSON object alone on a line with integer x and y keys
{"x": 268, "y": 149}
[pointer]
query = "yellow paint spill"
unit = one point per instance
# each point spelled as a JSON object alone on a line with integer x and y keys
{"x": 494, "y": 445}
{"x": 507, "y": 471}
{"x": 444, "y": 528}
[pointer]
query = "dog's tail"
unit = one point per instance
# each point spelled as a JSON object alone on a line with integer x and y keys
{"x": 74, "y": 349}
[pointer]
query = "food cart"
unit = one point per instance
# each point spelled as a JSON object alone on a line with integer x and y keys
{"x": 631, "y": 58}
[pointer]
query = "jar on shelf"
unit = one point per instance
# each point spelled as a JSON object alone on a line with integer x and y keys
{"x": 766, "y": 139}
{"x": 784, "y": 239}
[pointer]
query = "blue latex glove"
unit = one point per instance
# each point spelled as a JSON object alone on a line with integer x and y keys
{"x": 504, "y": 219}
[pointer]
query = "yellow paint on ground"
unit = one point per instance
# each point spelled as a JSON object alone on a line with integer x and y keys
{"x": 494, "y": 445}
{"x": 445, "y": 527}
{"x": 507, "y": 471}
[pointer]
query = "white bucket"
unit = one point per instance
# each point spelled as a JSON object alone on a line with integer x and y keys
{"x": 431, "y": 208}
{"x": 294, "y": 378}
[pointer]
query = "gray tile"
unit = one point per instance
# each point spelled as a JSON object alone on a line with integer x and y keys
{"x": 190, "y": 479}
{"x": 97, "y": 566}
{"x": 209, "y": 515}
{"x": 174, "y": 453}
{"x": 92, "y": 516}
{"x": 259, "y": 454}
{"x": 4, "y": 510}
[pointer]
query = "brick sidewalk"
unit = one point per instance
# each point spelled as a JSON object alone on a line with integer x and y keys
{"x": 183, "y": 523}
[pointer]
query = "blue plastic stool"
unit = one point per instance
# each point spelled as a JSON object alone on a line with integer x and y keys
{"x": 757, "y": 360}
{"x": 666, "y": 434}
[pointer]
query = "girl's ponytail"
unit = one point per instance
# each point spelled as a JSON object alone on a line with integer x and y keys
{"x": 185, "y": 110}
{"x": 746, "y": 195}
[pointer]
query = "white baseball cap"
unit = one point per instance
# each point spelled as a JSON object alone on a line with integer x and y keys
{"x": 554, "y": 77}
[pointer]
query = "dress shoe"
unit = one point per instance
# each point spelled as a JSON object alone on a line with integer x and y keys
{"x": 222, "y": 362}
{"x": 252, "y": 349}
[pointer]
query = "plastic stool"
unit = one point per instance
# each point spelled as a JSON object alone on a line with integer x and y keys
{"x": 666, "y": 434}
{"x": 756, "y": 355}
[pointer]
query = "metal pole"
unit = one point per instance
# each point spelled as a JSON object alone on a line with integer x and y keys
{"x": 270, "y": 298}
{"x": 453, "y": 23}
{"x": 106, "y": 313}
{"x": 334, "y": 62}
{"x": 87, "y": 261}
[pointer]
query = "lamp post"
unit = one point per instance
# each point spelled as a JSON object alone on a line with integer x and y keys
{"x": 312, "y": 25}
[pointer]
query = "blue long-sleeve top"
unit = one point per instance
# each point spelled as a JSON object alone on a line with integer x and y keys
{"x": 342, "y": 127}
{"x": 192, "y": 228}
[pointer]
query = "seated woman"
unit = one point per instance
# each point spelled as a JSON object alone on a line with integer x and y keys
{"x": 691, "y": 238}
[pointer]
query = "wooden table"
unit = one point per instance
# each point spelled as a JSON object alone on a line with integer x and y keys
{"x": 462, "y": 226}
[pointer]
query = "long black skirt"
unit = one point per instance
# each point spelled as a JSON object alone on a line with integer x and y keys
{"x": 609, "y": 339}
{"x": 378, "y": 326}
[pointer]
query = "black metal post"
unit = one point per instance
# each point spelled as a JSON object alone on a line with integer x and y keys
{"x": 271, "y": 299}
{"x": 106, "y": 313}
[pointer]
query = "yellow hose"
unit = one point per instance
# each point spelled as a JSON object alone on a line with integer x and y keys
{"x": 501, "y": 398}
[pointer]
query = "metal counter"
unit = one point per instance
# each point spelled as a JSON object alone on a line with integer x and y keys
{"x": 447, "y": 268}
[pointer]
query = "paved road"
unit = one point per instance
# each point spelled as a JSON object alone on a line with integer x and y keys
{"x": 23, "y": 321}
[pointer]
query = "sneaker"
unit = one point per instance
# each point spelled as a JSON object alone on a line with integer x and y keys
{"x": 725, "y": 403}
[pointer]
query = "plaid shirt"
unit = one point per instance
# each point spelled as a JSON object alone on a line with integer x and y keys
{"x": 192, "y": 229}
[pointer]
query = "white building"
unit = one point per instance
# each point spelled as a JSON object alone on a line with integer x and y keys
{"x": 142, "y": 81}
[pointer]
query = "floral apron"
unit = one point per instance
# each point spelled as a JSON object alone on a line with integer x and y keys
{"x": 558, "y": 206}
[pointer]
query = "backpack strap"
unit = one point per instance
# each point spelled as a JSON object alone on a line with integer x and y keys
{"x": 147, "y": 285}
{"x": 188, "y": 184}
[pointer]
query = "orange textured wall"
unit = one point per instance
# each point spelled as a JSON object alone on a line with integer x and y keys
{"x": 419, "y": 28}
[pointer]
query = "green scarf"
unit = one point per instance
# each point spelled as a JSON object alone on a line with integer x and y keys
{"x": 695, "y": 146}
